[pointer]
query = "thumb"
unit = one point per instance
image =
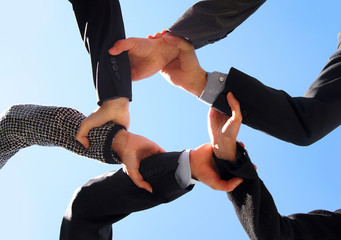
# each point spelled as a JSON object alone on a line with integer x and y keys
{"x": 122, "y": 45}
{"x": 137, "y": 178}
{"x": 157, "y": 149}
{"x": 180, "y": 43}
{"x": 235, "y": 107}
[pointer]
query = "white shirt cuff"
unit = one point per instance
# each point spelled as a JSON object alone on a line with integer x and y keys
{"x": 214, "y": 86}
{"x": 183, "y": 173}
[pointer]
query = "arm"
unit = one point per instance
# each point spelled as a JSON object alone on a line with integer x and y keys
{"x": 26, "y": 125}
{"x": 205, "y": 22}
{"x": 110, "y": 197}
{"x": 257, "y": 211}
{"x": 209, "y": 21}
{"x": 253, "y": 203}
{"x": 101, "y": 24}
{"x": 300, "y": 120}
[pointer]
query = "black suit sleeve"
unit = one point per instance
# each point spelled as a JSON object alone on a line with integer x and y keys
{"x": 258, "y": 214}
{"x": 110, "y": 197}
{"x": 101, "y": 25}
{"x": 299, "y": 120}
{"x": 211, "y": 20}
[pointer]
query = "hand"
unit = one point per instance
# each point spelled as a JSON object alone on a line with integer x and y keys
{"x": 205, "y": 170}
{"x": 223, "y": 130}
{"x": 185, "y": 70}
{"x": 133, "y": 148}
{"x": 113, "y": 110}
{"x": 147, "y": 56}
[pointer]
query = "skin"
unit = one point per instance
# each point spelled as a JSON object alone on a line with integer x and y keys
{"x": 132, "y": 148}
{"x": 223, "y": 132}
{"x": 176, "y": 60}
{"x": 155, "y": 54}
{"x": 173, "y": 56}
{"x": 116, "y": 110}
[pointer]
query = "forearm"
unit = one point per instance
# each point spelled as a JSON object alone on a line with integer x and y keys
{"x": 258, "y": 214}
{"x": 101, "y": 25}
{"x": 26, "y": 125}
{"x": 209, "y": 21}
{"x": 300, "y": 120}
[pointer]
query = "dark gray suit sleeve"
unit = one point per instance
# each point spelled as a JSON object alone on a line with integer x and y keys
{"x": 26, "y": 125}
{"x": 211, "y": 20}
{"x": 258, "y": 214}
{"x": 299, "y": 120}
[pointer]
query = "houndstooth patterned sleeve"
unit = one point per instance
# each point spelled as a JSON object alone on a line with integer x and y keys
{"x": 26, "y": 125}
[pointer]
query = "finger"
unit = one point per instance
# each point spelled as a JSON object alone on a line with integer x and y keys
{"x": 182, "y": 44}
{"x": 122, "y": 45}
{"x": 241, "y": 144}
{"x": 150, "y": 37}
{"x": 216, "y": 115}
{"x": 84, "y": 141}
{"x": 235, "y": 107}
{"x": 164, "y": 32}
{"x": 137, "y": 178}
{"x": 157, "y": 149}
{"x": 227, "y": 186}
{"x": 254, "y": 165}
{"x": 157, "y": 35}
{"x": 82, "y": 136}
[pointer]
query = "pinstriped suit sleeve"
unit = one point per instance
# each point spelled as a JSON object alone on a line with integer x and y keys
{"x": 299, "y": 120}
{"x": 258, "y": 213}
{"x": 211, "y": 20}
{"x": 22, "y": 126}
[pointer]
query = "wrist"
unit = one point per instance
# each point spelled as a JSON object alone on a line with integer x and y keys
{"x": 192, "y": 154}
{"x": 120, "y": 104}
{"x": 117, "y": 111}
{"x": 197, "y": 86}
{"x": 169, "y": 51}
{"x": 120, "y": 141}
{"x": 228, "y": 152}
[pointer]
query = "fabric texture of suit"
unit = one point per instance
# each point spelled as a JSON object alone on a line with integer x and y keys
{"x": 211, "y": 20}
{"x": 258, "y": 214}
{"x": 106, "y": 199}
{"x": 26, "y": 125}
{"x": 101, "y": 25}
{"x": 299, "y": 120}
{"x": 110, "y": 197}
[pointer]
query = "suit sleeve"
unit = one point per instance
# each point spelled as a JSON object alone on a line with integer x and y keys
{"x": 211, "y": 20}
{"x": 299, "y": 120}
{"x": 22, "y": 126}
{"x": 111, "y": 197}
{"x": 101, "y": 25}
{"x": 258, "y": 214}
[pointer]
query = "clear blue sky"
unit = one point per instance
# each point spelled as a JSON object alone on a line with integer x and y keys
{"x": 284, "y": 44}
